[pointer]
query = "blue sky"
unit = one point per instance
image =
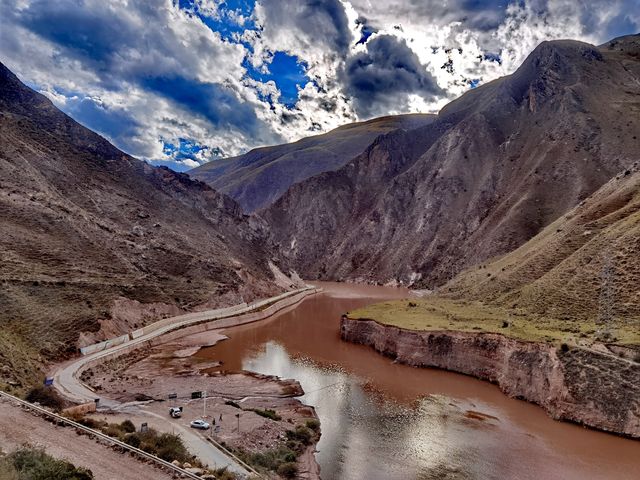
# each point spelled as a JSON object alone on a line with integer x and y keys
{"x": 182, "y": 82}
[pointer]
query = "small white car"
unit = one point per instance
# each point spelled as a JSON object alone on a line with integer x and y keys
{"x": 201, "y": 424}
{"x": 175, "y": 412}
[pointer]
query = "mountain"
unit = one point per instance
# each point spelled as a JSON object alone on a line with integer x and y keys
{"x": 94, "y": 242}
{"x": 493, "y": 169}
{"x": 258, "y": 178}
{"x": 586, "y": 261}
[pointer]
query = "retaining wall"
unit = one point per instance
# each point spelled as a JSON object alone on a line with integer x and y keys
{"x": 195, "y": 317}
{"x": 178, "y": 329}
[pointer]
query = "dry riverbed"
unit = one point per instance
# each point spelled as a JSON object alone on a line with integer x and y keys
{"x": 253, "y": 415}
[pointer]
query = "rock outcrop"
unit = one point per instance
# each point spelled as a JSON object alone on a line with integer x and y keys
{"x": 595, "y": 388}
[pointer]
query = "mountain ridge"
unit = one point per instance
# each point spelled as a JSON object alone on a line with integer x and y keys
{"x": 95, "y": 242}
{"x": 488, "y": 174}
{"x": 259, "y": 177}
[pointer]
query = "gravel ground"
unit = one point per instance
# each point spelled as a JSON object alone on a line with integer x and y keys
{"x": 19, "y": 427}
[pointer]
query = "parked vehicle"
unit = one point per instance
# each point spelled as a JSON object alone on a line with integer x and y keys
{"x": 175, "y": 412}
{"x": 201, "y": 424}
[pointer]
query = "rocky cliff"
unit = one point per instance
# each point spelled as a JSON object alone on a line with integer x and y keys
{"x": 596, "y": 388}
{"x": 491, "y": 171}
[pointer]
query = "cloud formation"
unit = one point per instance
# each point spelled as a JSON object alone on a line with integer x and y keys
{"x": 182, "y": 82}
{"x": 384, "y": 76}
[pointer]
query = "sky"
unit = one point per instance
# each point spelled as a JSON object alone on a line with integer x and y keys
{"x": 183, "y": 82}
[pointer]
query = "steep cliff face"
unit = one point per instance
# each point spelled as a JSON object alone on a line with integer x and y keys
{"x": 496, "y": 167}
{"x": 258, "y": 178}
{"x": 85, "y": 225}
{"x": 596, "y": 388}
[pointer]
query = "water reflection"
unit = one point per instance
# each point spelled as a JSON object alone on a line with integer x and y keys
{"x": 382, "y": 420}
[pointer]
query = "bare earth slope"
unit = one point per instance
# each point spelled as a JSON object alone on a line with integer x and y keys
{"x": 561, "y": 272}
{"x": 497, "y": 166}
{"x": 18, "y": 428}
{"x": 85, "y": 226}
{"x": 258, "y": 178}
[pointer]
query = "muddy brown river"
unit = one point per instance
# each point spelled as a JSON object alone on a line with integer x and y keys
{"x": 382, "y": 420}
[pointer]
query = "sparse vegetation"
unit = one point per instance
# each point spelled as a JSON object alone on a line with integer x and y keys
{"x": 166, "y": 446}
{"x": 267, "y": 413}
{"x": 35, "y": 464}
{"x": 45, "y": 396}
{"x": 440, "y": 313}
{"x": 313, "y": 424}
{"x": 282, "y": 460}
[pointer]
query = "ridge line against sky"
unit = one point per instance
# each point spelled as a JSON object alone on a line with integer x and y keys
{"x": 183, "y": 82}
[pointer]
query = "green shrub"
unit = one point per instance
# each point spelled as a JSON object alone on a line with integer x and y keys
{"x": 45, "y": 396}
{"x": 127, "y": 426}
{"x": 35, "y": 464}
{"x": 169, "y": 447}
{"x": 133, "y": 439}
{"x": 313, "y": 424}
{"x": 301, "y": 434}
{"x": 270, "y": 460}
{"x": 288, "y": 470}
{"x": 91, "y": 423}
{"x": 114, "y": 431}
{"x": 267, "y": 413}
{"x": 233, "y": 404}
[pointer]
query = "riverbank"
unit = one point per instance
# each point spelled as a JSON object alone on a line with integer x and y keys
{"x": 100, "y": 373}
{"x": 598, "y": 389}
{"x": 254, "y": 416}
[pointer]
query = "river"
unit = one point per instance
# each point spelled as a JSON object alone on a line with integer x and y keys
{"x": 382, "y": 420}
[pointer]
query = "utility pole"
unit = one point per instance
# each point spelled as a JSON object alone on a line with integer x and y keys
{"x": 204, "y": 406}
{"x": 605, "y": 311}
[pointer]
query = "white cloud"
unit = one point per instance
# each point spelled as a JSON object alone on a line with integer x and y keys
{"x": 145, "y": 72}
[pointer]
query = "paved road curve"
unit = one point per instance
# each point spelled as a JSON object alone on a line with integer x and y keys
{"x": 67, "y": 381}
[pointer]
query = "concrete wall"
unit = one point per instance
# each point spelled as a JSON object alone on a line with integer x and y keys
{"x": 195, "y": 317}
{"x": 98, "y": 347}
{"x": 179, "y": 330}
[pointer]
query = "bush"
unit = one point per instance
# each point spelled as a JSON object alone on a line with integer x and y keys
{"x": 170, "y": 447}
{"x": 45, "y": 396}
{"x": 35, "y": 464}
{"x": 313, "y": 424}
{"x": 270, "y": 459}
{"x": 288, "y": 470}
{"x": 268, "y": 413}
{"x": 133, "y": 440}
{"x": 232, "y": 403}
{"x": 114, "y": 431}
{"x": 166, "y": 446}
{"x": 127, "y": 426}
{"x": 301, "y": 434}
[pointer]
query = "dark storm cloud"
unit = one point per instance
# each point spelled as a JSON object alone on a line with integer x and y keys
{"x": 216, "y": 103}
{"x": 380, "y": 79}
{"x": 323, "y": 21}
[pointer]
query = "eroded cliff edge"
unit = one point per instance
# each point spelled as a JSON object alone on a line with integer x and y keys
{"x": 593, "y": 388}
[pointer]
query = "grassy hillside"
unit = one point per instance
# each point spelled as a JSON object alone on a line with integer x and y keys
{"x": 557, "y": 286}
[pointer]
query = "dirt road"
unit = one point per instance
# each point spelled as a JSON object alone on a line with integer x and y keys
{"x": 18, "y": 427}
